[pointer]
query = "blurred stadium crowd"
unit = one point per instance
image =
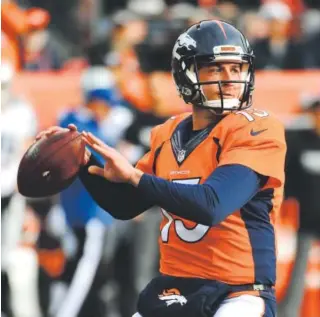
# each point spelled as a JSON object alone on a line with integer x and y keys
{"x": 65, "y": 257}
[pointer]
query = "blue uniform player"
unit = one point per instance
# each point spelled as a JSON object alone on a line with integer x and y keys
{"x": 103, "y": 115}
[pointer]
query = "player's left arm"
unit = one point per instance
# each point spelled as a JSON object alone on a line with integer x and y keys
{"x": 252, "y": 158}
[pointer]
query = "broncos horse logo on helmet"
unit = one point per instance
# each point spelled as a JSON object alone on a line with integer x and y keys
{"x": 186, "y": 40}
{"x": 209, "y": 42}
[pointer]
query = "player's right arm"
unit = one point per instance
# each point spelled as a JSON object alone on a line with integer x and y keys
{"x": 122, "y": 200}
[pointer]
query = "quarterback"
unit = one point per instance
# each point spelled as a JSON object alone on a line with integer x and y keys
{"x": 216, "y": 173}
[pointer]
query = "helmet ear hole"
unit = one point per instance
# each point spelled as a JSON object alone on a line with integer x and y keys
{"x": 188, "y": 93}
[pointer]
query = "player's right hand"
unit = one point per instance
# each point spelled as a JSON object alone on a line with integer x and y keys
{"x": 54, "y": 129}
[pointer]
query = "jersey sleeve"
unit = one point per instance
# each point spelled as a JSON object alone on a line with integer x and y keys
{"x": 259, "y": 145}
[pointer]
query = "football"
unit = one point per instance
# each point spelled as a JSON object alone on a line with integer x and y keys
{"x": 51, "y": 164}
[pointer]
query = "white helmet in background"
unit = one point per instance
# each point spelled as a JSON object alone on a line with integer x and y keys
{"x": 97, "y": 77}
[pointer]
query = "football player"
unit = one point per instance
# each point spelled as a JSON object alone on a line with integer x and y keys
{"x": 103, "y": 115}
{"x": 217, "y": 174}
{"x": 303, "y": 171}
{"x": 18, "y": 129}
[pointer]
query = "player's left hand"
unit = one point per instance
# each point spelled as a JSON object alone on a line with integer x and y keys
{"x": 117, "y": 168}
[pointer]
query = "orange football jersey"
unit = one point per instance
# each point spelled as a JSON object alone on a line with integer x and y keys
{"x": 240, "y": 249}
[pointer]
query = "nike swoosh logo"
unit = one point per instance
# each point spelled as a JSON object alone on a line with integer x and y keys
{"x": 254, "y": 133}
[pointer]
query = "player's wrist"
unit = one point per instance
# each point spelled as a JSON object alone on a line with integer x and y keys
{"x": 135, "y": 177}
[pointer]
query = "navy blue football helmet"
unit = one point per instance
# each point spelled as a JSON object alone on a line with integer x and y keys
{"x": 204, "y": 43}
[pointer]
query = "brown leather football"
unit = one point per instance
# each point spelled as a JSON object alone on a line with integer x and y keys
{"x": 51, "y": 164}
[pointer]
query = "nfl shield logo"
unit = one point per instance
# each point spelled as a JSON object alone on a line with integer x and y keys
{"x": 181, "y": 155}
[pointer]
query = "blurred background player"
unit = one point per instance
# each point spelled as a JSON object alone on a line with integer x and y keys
{"x": 280, "y": 49}
{"x": 19, "y": 266}
{"x": 26, "y": 40}
{"x": 102, "y": 114}
{"x": 303, "y": 172}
